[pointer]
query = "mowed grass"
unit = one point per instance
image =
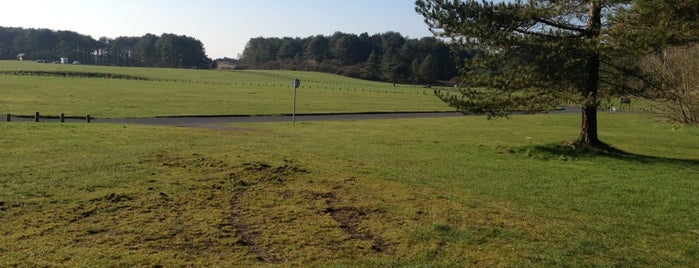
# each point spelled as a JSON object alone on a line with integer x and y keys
{"x": 447, "y": 192}
{"x": 175, "y": 92}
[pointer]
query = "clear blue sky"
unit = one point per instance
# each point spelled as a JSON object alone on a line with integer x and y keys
{"x": 224, "y": 26}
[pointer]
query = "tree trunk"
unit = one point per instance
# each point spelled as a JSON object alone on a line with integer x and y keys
{"x": 588, "y": 131}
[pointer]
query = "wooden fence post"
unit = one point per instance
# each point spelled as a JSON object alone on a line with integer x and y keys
{"x": 9, "y": 116}
{"x": 63, "y": 118}
{"x": 87, "y": 118}
{"x": 36, "y": 117}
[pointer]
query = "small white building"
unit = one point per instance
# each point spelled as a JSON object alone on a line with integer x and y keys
{"x": 65, "y": 61}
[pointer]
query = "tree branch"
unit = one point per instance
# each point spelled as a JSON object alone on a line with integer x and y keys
{"x": 559, "y": 26}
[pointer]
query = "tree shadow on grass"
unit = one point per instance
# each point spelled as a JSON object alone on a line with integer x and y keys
{"x": 566, "y": 150}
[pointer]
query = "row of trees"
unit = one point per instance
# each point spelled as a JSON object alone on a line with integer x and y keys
{"x": 166, "y": 50}
{"x": 387, "y": 57}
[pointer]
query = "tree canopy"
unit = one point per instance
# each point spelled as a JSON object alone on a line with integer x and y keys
{"x": 166, "y": 50}
{"x": 535, "y": 54}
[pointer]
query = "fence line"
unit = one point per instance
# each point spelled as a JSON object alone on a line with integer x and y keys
{"x": 37, "y": 117}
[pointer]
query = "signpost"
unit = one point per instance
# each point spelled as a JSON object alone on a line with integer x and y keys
{"x": 295, "y": 84}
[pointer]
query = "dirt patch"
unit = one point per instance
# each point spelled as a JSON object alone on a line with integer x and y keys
{"x": 262, "y": 172}
{"x": 269, "y": 197}
{"x": 351, "y": 221}
{"x": 107, "y": 204}
{"x": 248, "y": 238}
{"x": 195, "y": 162}
{"x": 252, "y": 175}
{"x": 114, "y": 198}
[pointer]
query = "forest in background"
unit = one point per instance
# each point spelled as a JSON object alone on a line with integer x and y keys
{"x": 166, "y": 50}
{"x": 388, "y": 57}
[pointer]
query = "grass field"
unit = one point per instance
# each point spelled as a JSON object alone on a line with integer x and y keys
{"x": 422, "y": 192}
{"x": 440, "y": 192}
{"x": 170, "y": 92}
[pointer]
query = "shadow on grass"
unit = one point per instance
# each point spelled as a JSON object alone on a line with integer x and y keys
{"x": 567, "y": 150}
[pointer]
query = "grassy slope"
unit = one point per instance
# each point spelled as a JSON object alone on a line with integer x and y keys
{"x": 424, "y": 192}
{"x": 198, "y": 92}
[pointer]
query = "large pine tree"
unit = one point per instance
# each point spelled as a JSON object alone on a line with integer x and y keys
{"x": 533, "y": 54}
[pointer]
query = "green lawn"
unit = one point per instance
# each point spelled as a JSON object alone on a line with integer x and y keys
{"x": 447, "y": 192}
{"x": 171, "y": 92}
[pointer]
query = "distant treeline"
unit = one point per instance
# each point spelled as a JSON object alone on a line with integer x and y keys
{"x": 166, "y": 50}
{"x": 385, "y": 57}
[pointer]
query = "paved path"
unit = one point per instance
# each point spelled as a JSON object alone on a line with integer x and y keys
{"x": 216, "y": 121}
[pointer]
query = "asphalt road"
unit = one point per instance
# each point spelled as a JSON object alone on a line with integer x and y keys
{"x": 215, "y": 122}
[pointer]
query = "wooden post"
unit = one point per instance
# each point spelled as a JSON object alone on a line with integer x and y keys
{"x": 87, "y": 118}
{"x": 63, "y": 118}
{"x": 9, "y": 117}
{"x": 36, "y": 117}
